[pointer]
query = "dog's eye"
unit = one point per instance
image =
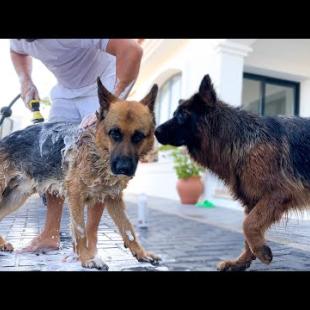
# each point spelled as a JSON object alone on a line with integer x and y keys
{"x": 115, "y": 134}
{"x": 181, "y": 118}
{"x": 137, "y": 137}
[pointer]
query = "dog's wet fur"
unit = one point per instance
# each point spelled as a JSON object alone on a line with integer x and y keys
{"x": 88, "y": 167}
{"x": 263, "y": 160}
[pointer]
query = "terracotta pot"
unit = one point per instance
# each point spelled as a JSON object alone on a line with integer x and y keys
{"x": 190, "y": 189}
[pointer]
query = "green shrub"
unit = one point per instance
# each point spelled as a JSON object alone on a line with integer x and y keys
{"x": 184, "y": 166}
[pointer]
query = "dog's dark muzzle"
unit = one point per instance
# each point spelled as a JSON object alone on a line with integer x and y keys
{"x": 168, "y": 134}
{"x": 159, "y": 134}
{"x": 162, "y": 135}
{"x": 124, "y": 165}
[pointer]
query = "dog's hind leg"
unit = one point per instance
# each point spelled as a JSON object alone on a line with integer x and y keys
{"x": 4, "y": 246}
{"x": 12, "y": 198}
{"x": 116, "y": 209}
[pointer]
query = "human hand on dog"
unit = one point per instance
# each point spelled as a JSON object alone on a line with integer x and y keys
{"x": 88, "y": 121}
{"x": 29, "y": 92}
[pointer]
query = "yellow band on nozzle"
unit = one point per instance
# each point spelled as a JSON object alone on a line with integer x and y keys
{"x": 37, "y": 100}
{"x": 37, "y": 115}
{"x": 33, "y": 101}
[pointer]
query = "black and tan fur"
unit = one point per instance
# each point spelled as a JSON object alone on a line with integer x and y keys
{"x": 263, "y": 160}
{"x": 87, "y": 167}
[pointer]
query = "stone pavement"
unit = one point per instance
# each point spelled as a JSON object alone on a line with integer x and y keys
{"x": 187, "y": 239}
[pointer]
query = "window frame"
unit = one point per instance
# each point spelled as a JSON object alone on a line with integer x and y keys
{"x": 263, "y": 79}
{"x": 168, "y": 82}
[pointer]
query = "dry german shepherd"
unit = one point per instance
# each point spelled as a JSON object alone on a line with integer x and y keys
{"x": 264, "y": 161}
{"x": 88, "y": 167}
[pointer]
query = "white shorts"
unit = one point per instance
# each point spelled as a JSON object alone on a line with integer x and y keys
{"x": 72, "y": 105}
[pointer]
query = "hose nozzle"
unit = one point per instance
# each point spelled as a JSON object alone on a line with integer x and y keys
{"x": 35, "y": 108}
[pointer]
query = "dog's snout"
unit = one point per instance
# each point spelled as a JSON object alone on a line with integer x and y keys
{"x": 162, "y": 135}
{"x": 159, "y": 134}
{"x": 169, "y": 133}
{"x": 124, "y": 165}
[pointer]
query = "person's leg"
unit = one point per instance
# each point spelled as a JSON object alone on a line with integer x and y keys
{"x": 49, "y": 238}
{"x": 87, "y": 106}
{"x": 64, "y": 110}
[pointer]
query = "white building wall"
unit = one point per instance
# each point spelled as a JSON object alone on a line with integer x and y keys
{"x": 225, "y": 61}
{"x": 154, "y": 179}
{"x": 304, "y": 107}
{"x": 193, "y": 59}
{"x": 228, "y": 78}
{"x": 230, "y": 64}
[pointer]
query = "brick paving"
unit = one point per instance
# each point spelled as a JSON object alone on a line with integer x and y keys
{"x": 195, "y": 241}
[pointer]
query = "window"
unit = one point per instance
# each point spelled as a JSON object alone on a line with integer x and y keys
{"x": 167, "y": 99}
{"x": 269, "y": 96}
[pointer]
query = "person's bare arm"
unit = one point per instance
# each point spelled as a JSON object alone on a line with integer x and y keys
{"x": 128, "y": 55}
{"x": 23, "y": 67}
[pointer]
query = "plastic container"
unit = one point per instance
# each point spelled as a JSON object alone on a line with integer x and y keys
{"x": 142, "y": 211}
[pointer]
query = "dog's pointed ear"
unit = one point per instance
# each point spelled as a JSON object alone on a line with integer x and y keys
{"x": 207, "y": 92}
{"x": 150, "y": 98}
{"x": 105, "y": 99}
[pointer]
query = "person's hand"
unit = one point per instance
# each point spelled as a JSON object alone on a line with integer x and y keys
{"x": 29, "y": 92}
{"x": 88, "y": 120}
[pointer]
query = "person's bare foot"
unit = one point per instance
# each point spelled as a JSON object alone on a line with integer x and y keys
{"x": 43, "y": 243}
{"x": 6, "y": 247}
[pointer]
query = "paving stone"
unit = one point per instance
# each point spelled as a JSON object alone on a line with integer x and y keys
{"x": 184, "y": 244}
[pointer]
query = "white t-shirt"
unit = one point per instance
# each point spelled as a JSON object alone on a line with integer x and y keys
{"x": 76, "y": 63}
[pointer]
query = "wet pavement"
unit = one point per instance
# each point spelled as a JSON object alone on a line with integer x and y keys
{"x": 22, "y": 226}
{"x": 186, "y": 238}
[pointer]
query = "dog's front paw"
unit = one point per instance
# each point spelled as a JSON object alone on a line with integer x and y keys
{"x": 95, "y": 262}
{"x": 6, "y": 247}
{"x": 147, "y": 257}
{"x": 141, "y": 254}
{"x": 231, "y": 265}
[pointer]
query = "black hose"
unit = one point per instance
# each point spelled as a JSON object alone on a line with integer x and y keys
{"x": 13, "y": 101}
{"x": 6, "y": 111}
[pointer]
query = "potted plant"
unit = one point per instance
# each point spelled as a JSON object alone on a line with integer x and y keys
{"x": 189, "y": 185}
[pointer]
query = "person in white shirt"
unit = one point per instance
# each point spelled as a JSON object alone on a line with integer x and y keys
{"x": 76, "y": 64}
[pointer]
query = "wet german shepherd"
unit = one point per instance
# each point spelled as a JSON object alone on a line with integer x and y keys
{"x": 265, "y": 161}
{"x": 88, "y": 167}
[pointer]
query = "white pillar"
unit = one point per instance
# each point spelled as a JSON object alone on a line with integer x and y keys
{"x": 198, "y": 61}
{"x": 229, "y": 72}
{"x": 304, "y": 104}
{"x": 227, "y": 79}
